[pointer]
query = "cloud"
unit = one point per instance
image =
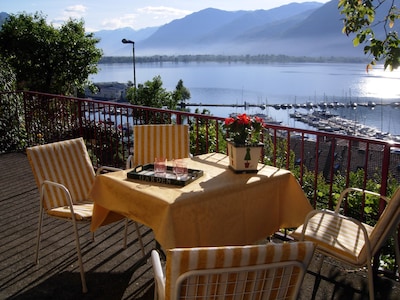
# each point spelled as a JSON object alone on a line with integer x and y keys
{"x": 126, "y": 20}
{"x": 149, "y": 16}
{"x": 75, "y": 12}
{"x": 163, "y": 11}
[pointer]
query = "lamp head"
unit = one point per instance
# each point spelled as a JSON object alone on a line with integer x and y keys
{"x": 125, "y": 41}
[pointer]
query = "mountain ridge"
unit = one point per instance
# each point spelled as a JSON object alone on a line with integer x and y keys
{"x": 295, "y": 29}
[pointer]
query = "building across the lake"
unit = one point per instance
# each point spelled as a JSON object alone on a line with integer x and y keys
{"x": 108, "y": 91}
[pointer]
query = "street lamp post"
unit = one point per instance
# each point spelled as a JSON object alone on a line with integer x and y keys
{"x": 125, "y": 41}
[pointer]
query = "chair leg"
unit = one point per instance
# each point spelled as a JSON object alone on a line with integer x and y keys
{"x": 78, "y": 251}
{"x": 318, "y": 276}
{"x": 138, "y": 234}
{"x": 39, "y": 232}
{"x": 397, "y": 250}
{"x": 370, "y": 280}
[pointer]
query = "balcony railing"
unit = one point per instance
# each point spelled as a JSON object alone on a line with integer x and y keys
{"x": 324, "y": 163}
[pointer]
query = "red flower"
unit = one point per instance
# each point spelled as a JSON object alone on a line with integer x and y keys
{"x": 244, "y": 129}
{"x": 258, "y": 120}
{"x": 243, "y": 119}
{"x": 229, "y": 121}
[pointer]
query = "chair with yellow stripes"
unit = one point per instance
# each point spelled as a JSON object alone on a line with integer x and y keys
{"x": 64, "y": 175}
{"x": 269, "y": 271}
{"x": 350, "y": 240}
{"x": 159, "y": 140}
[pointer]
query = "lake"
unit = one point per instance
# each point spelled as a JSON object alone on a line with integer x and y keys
{"x": 268, "y": 84}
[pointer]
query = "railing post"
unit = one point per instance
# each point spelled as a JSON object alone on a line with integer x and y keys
{"x": 288, "y": 150}
{"x": 178, "y": 119}
{"x": 384, "y": 175}
{"x": 383, "y": 191}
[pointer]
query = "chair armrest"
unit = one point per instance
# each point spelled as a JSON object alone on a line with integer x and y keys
{"x": 159, "y": 276}
{"x": 106, "y": 168}
{"x": 59, "y": 186}
{"x": 129, "y": 162}
{"x": 352, "y": 189}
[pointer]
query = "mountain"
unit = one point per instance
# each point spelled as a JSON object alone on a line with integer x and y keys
{"x": 110, "y": 40}
{"x": 323, "y": 31}
{"x": 296, "y": 29}
{"x": 188, "y": 30}
{"x": 214, "y": 31}
{"x": 3, "y": 17}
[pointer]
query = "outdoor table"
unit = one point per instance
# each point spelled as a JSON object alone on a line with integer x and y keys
{"x": 219, "y": 208}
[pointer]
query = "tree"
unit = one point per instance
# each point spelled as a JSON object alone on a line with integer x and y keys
{"x": 47, "y": 59}
{"x": 151, "y": 94}
{"x": 12, "y": 130}
{"x": 374, "y": 23}
{"x": 181, "y": 93}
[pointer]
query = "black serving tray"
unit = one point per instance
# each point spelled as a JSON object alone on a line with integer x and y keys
{"x": 146, "y": 173}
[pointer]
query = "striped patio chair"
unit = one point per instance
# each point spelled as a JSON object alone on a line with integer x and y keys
{"x": 64, "y": 175}
{"x": 159, "y": 140}
{"x": 350, "y": 240}
{"x": 270, "y": 271}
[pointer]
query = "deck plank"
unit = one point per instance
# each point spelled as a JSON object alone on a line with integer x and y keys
{"x": 111, "y": 271}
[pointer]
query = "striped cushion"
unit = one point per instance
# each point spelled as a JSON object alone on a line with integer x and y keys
{"x": 338, "y": 236}
{"x": 67, "y": 163}
{"x": 151, "y": 141}
{"x": 81, "y": 211}
{"x": 182, "y": 260}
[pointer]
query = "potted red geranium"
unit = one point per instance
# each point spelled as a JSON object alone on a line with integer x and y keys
{"x": 244, "y": 148}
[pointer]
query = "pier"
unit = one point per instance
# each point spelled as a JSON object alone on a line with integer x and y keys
{"x": 307, "y": 105}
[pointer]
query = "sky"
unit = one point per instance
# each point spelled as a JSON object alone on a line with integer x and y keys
{"x": 114, "y": 14}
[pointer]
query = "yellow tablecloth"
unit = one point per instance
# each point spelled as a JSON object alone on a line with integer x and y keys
{"x": 219, "y": 208}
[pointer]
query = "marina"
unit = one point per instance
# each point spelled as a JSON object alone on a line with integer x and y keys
{"x": 307, "y": 105}
{"x": 277, "y": 91}
{"x": 315, "y": 116}
{"x": 328, "y": 122}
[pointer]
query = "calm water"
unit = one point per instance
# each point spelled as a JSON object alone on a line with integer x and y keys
{"x": 236, "y": 83}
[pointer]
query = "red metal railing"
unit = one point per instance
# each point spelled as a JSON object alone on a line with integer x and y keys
{"x": 317, "y": 158}
{"x": 324, "y": 163}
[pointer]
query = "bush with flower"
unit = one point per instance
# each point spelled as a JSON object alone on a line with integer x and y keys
{"x": 243, "y": 129}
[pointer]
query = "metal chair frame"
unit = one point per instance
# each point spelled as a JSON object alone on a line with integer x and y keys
{"x": 388, "y": 226}
{"x": 73, "y": 207}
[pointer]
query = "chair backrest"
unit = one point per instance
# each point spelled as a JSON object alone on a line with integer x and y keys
{"x": 161, "y": 140}
{"x": 387, "y": 223}
{"x": 67, "y": 163}
{"x": 270, "y": 271}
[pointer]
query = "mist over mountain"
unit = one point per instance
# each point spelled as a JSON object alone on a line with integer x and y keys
{"x": 296, "y": 29}
{"x": 111, "y": 40}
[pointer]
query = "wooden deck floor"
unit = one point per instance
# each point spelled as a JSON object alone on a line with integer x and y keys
{"x": 111, "y": 271}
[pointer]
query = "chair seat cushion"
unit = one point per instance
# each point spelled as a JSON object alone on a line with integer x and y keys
{"x": 336, "y": 235}
{"x": 82, "y": 211}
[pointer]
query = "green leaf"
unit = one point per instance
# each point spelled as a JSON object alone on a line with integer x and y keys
{"x": 356, "y": 41}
